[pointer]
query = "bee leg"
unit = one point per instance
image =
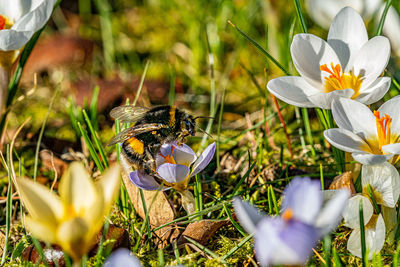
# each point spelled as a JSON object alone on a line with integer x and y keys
{"x": 151, "y": 163}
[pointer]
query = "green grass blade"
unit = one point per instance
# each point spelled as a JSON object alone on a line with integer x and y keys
{"x": 259, "y": 47}
{"x": 238, "y": 246}
{"x": 234, "y": 223}
{"x": 139, "y": 90}
{"x": 383, "y": 17}
{"x": 92, "y": 151}
{"x": 362, "y": 230}
{"x": 300, "y": 16}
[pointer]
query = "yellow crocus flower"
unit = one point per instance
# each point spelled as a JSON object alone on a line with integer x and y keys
{"x": 72, "y": 219}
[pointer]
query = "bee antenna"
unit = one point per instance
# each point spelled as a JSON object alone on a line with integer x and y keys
{"x": 202, "y": 117}
{"x": 201, "y": 130}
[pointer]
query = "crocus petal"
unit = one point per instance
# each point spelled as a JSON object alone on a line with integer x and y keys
{"x": 173, "y": 173}
{"x": 375, "y": 91}
{"x": 330, "y": 215}
{"x": 347, "y": 35}
{"x": 384, "y": 180}
{"x": 13, "y": 40}
{"x": 143, "y": 180}
{"x": 109, "y": 184}
{"x": 392, "y": 148}
{"x": 41, "y": 203}
{"x": 77, "y": 188}
{"x": 309, "y": 52}
{"x": 370, "y": 159}
{"x": 391, "y": 28}
{"x": 72, "y": 235}
{"x": 281, "y": 242}
{"x": 184, "y": 155}
{"x": 324, "y": 100}
{"x": 204, "y": 159}
{"x": 304, "y": 197}
{"x": 346, "y": 140}
{"x": 122, "y": 257}
{"x": 293, "y": 90}
{"x": 374, "y": 237}
{"x": 247, "y": 215}
{"x": 355, "y": 117}
{"x": 37, "y": 16}
{"x": 371, "y": 67}
{"x": 391, "y": 108}
{"x": 351, "y": 212}
{"x": 41, "y": 229}
{"x": 323, "y": 12}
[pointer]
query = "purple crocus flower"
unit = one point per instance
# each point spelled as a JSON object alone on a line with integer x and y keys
{"x": 175, "y": 164}
{"x": 305, "y": 217}
{"x": 122, "y": 257}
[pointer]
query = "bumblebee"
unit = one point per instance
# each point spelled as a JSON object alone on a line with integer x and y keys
{"x": 154, "y": 127}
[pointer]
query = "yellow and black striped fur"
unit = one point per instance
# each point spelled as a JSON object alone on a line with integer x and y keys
{"x": 153, "y": 128}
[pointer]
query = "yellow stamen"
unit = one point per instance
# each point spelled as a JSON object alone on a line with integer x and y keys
{"x": 383, "y": 128}
{"x": 169, "y": 158}
{"x": 337, "y": 80}
{"x": 287, "y": 215}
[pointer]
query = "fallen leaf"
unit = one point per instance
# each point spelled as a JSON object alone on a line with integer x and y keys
{"x": 118, "y": 235}
{"x": 201, "y": 231}
{"x": 51, "y": 255}
{"x": 343, "y": 181}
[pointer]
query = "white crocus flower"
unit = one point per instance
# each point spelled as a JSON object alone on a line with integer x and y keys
{"x": 19, "y": 20}
{"x": 371, "y": 137}
{"x": 323, "y": 12}
{"x": 374, "y": 227}
{"x": 384, "y": 180}
{"x": 347, "y": 65}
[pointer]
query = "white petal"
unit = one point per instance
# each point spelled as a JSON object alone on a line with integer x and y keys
{"x": 184, "y": 155}
{"x": 309, "y": 52}
{"x": 384, "y": 180}
{"x": 204, "y": 159}
{"x": 247, "y": 214}
{"x": 375, "y": 91}
{"x": 370, "y": 159}
{"x": 391, "y": 108}
{"x": 372, "y": 59}
{"x": 331, "y": 213}
{"x": 13, "y": 40}
{"x": 293, "y": 90}
{"x": 37, "y": 16}
{"x": 347, "y": 35}
{"x": 323, "y": 11}
{"x": 391, "y": 28}
{"x": 351, "y": 212}
{"x": 374, "y": 238}
{"x": 77, "y": 188}
{"x": 346, "y": 140}
{"x": 392, "y": 148}
{"x": 122, "y": 257}
{"x": 324, "y": 100}
{"x": 355, "y": 117}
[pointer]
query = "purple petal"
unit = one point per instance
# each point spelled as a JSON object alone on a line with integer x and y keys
{"x": 143, "y": 181}
{"x": 247, "y": 214}
{"x": 122, "y": 257}
{"x": 304, "y": 197}
{"x": 184, "y": 155}
{"x": 284, "y": 242}
{"x": 204, "y": 159}
{"x": 173, "y": 173}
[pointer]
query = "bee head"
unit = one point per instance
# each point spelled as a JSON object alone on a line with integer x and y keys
{"x": 188, "y": 125}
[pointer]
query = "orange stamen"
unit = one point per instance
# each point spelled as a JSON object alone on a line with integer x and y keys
{"x": 169, "y": 158}
{"x": 287, "y": 215}
{"x": 2, "y": 22}
{"x": 383, "y": 128}
{"x": 336, "y": 77}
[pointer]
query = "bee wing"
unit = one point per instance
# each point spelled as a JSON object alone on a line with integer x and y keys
{"x": 127, "y": 114}
{"x": 135, "y": 130}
